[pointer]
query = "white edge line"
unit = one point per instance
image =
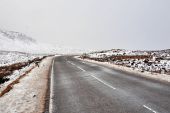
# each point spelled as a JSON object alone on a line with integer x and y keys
{"x": 103, "y": 82}
{"x": 149, "y": 108}
{"x": 51, "y": 89}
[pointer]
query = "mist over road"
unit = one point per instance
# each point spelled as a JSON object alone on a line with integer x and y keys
{"x": 83, "y": 87}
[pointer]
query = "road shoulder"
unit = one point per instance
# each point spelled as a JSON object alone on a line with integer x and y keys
{"x": 29, "y": 94}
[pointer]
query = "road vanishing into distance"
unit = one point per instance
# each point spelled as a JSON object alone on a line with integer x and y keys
{"x": 82, "y": 87}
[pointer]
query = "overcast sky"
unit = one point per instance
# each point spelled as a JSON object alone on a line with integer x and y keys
{"x": 94, "y": 24}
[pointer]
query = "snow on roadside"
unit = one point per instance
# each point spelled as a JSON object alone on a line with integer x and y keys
{"x": 16, "y": 74}
{"x": 8, "y": 58}
{"x": 28, "y": 96}
{"x": 152, "y": 61}
{"x": 156, "y": 76}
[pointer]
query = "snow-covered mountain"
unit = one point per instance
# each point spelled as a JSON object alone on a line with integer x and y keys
{"x": 15, "y": 41}
{"x": 12, "y": 35}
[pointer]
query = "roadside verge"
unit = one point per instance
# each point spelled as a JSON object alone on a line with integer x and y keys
{"x": 28, "y": 96}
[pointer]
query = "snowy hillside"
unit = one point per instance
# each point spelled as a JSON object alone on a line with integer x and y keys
{"x": 16, "y": 36}
{"x": 15, "y": 41}
{"x": 9, "y": 58}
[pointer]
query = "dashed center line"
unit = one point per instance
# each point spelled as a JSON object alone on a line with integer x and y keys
{"x": 93, "y": 76}
{"x": 80, "y": 68}
{"x": 149, "y": 109}
{"x": 108, "y": 85}
{"x": 103, "y": 82}
{"x": 76, "y": 66}
{"x": 83, "y": 62}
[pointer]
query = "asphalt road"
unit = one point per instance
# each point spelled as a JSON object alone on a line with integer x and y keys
{"x": 83, "y": 87}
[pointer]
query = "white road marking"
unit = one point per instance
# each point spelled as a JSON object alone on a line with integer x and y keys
{"x": 68, "y": 61}
{"x": 80, "y": 68}
{"x": 84, "y": 62}
{"x": 51, "y": 90}
{"x": 149, "y": 108}
{"x": 76, "y": 66}
{"x": 94, "y": 76}
{"x": 103, "y": 82}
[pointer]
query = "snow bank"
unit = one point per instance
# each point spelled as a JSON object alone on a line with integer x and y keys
{"x": 13, "y": 77}
{"x": 28, "y": 96}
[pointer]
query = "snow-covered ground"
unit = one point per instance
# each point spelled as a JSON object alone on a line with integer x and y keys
{"x": 14, "y": 76}
{"x": 17, "y": 47}
{"x": 8, "y": 58}
{"x": 28, "y": 96}
{"x": 22, "y": 90}
{"x": 151, "y": 61}
{"x": 115, "y": 52}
